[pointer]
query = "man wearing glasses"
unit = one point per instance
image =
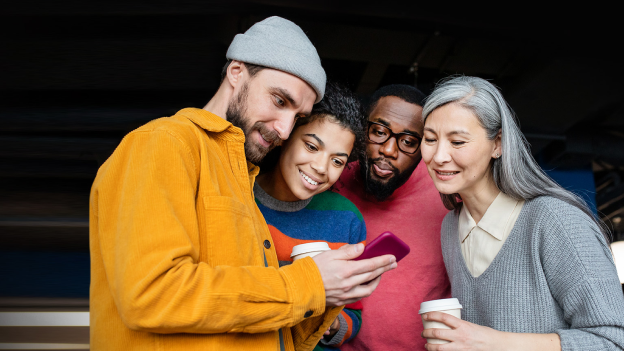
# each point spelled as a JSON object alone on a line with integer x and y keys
{"x": 392, "y": 189}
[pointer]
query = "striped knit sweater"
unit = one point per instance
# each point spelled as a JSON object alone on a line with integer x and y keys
{"x": 328, "y": 217}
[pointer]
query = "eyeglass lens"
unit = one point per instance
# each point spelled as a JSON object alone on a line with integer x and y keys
{"x": 380, "y": 134}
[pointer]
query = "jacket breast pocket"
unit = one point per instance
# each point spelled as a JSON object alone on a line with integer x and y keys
{"x": 230, "y": 233}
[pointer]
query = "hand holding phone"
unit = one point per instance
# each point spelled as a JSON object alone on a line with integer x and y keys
{"x": 385, "y": 244}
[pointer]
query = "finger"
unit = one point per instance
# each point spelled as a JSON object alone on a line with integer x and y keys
{"x": 371, "y": 264}
{"x": 336, "y": 324}
{"x": 348, "y": 252}
{"x": 373, "y": 283}
{"x": 364, "y": 278}
{"x": 358, "y": 292}
{"x": 337, "y": 302}
{"x": 438, "y": 333}
{"x": 452, "y": 321}
{"x": 433, "y": 347}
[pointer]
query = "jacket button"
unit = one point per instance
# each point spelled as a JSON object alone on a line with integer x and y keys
{"x": 267, "y": 244}
{"x": 308, "y": 314}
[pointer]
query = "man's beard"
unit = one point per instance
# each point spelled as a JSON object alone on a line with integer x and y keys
{"x": 236, "y": 114}
{"x": 379, "y": 189}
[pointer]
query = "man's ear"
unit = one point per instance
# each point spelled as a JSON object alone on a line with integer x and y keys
{"x": 235, "y": 72}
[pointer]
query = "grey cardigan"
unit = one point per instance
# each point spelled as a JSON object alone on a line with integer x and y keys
{"x": 554, "y": 274}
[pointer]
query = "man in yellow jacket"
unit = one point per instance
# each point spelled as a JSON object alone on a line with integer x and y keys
{"x": 181, "y": 257}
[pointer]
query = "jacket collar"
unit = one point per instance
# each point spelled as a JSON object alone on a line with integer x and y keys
{"x": 213, "y": 123}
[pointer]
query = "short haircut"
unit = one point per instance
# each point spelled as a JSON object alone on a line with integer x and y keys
{"x": 405, "y": 92}
{"x": 251, "y": 68}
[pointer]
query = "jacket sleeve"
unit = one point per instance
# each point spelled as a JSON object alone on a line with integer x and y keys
{"x": 350, "y": 322}
{"x": 148, "y": 235}
{"x": 303, "y": 339}
{"x": 582, "y": 278}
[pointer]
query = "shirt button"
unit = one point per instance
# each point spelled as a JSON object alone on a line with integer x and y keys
{"x": 308, "y": 314}
{"x": 267, "y": 244}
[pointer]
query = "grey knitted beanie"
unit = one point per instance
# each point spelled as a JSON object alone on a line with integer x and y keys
{"x": 280, "y": 44}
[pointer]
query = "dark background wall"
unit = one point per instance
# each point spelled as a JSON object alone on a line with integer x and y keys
{"x": 78, "y": 75}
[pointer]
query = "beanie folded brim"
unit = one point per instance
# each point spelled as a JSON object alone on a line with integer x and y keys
{"x": 281, "y": 57}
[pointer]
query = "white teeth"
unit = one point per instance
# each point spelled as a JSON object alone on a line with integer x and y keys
{"x": 308, "y": 179}
{"x": 447, "y": 173}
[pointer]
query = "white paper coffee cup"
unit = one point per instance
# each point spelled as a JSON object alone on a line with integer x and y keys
{"x": 449, "y": 306}
{"x": 308, "y": 250}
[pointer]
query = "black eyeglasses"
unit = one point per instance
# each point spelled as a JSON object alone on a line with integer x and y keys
{"x": 379, "y": 134}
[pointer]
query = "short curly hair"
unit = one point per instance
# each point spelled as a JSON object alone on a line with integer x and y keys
{"x": 405, "y": 92}
{"x": 340, "y": 105}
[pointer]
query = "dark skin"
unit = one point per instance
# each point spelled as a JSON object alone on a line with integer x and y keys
{"x": 400, "y": 116}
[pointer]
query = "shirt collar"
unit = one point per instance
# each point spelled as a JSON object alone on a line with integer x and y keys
{"x": 466, "y": 223}
{"x": 493, "y": 222}
{"x": 213, "y": 123}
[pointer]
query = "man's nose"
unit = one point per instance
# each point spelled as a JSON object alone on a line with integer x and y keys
{"x": 390, "y": 149}
{"x": 283, "y": 126}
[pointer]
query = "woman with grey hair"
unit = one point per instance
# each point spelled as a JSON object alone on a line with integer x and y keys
{"x": 528, "y": 260}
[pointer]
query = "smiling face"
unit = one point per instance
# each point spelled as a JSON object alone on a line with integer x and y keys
{"x": 457, "y": 151}
{"x": 312, "y": 160}
{"x": 266, "y": 106}
{"x": 388, "y": 167}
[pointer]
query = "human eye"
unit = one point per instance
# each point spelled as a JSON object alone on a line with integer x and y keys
{"x": 278, "y": 100}
{"x": 311, "y": 147}
{"x": 379, "y": 131}
{"x": 338, "y": 162}
{"x": 430, "y": 140}
{"x": 457, "y": 143}
{"x": 409, "y": 141}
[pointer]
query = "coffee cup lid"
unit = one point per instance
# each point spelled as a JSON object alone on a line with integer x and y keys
{"x": 309, "y": 247}
{"x": 439, "y": 305}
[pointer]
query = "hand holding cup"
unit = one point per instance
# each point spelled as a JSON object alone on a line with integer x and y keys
{"x": 448, "y": 306}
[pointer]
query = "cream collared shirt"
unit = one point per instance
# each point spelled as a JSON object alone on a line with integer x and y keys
{"x": 481, "y": 242}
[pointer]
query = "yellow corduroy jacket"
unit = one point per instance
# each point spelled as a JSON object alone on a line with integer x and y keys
{"x": 181, "y": 257}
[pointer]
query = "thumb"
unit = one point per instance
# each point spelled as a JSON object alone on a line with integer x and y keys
{"x": 349, "y": 252}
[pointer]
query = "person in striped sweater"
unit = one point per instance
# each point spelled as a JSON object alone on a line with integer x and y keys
{"x": 292, "y": 191}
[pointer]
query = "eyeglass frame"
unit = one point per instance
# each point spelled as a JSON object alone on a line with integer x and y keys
{"x": 393, "y": 135}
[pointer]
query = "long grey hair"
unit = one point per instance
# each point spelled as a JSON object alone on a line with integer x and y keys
{"x": 516, "y": 173}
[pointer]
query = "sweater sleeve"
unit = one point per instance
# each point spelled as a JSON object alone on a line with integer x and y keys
{"x": 581, "y": 275}
{"x": 358, "y": 230}
{"x": 351, "y": 316}
{"x": 145, "y": 230}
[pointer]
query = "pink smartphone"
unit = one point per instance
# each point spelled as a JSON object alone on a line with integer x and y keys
{"x": 385, "y": 244}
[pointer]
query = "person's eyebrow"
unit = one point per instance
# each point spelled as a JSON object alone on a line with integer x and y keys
{"x": 286, "y": 95}
{"x": 459, "y": 131}
{"x": 317, "y": 139}
{"x": 382, "y": 121}
{"x": 342, "y": 154}
{"x": 430, "y": 130}
{"x": 283, "y": 92}
{"x": 387, "y": 124}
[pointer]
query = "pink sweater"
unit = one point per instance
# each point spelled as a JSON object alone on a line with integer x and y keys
{"x": 414, "y": 213}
